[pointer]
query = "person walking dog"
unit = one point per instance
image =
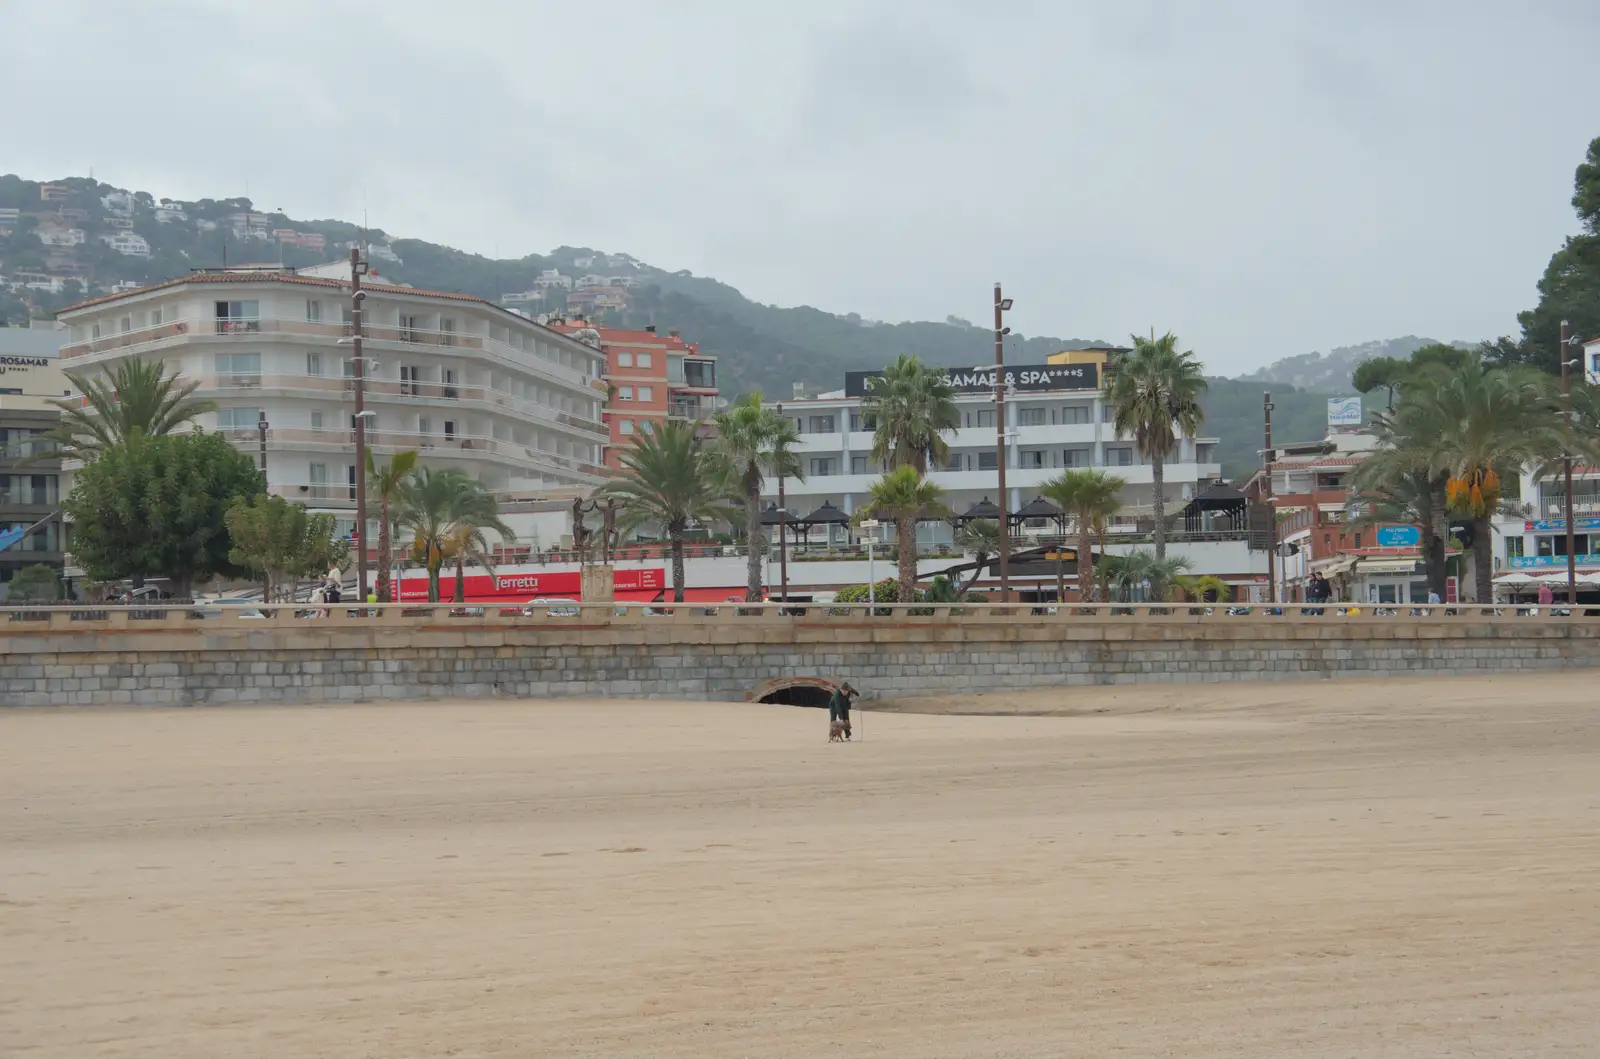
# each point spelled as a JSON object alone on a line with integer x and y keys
{"x": 839, "y": 707}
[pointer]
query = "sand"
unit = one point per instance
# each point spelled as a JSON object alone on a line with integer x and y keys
{"x": 1376, "y": 868}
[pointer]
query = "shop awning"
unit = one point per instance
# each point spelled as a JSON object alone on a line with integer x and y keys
{"x": 1387, "y": 566}
{"x": 1334, "y": 567}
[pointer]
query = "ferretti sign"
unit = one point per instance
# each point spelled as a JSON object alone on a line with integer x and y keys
{"x": 1023, "y": 377}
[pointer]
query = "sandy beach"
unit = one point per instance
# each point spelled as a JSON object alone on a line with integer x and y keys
{"x": 1353, "y": 869}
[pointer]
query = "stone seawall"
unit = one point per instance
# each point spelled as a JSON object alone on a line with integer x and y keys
{"x": 346, "y": 660}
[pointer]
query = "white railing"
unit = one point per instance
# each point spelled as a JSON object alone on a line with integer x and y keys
{"x": 207, "y": 615}
{"x": 172, "y": 332}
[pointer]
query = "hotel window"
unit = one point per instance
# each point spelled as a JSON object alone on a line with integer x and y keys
{"x": 642, "y": 360}
{"x": 987, "y": 461}
{"x": 862, "y": 422}
{"x": 447, "y": 333}
{"x": 624, "y": 393}
{"x": 819, "y": 425}
{"x": 156, "y": 316}
{"x": 238, "y": 418}
{"x": 1032, "y": 460}
{"x": 239, "y": 369}
{"x": 822, "y": 468}
{"x": 624, "y": 360}
{"x": 625, "y": 426}
{"x": 956, "y": 462}
{"x": 316, "y": 420}
{"x": 647, "y": 393}
{"x": 1205, "y": 454}
{"x": 1075, "y": 457}
{"x": 1077, "y": 414}
{"x": 313, "y": 363}
{"x": 1514, "y": 548}
{"x": 858, "y": 465}
{"x": 982, "y": 418}
{"x": 1119, "y": 456}
{"x": 125, "y": 324}
{"x": 313, "y": 310}
{"x": 317, "y": 474}
{"x": 234, "y": 317}
{"x": 1030, "y": 417}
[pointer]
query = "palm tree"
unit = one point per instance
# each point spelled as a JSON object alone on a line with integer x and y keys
{"x": 981, "y": 537}
{"x": 904, "y": 497}
{"x": 386, "y": 484}
{"x": 1092, "y": 498}
{"x": 1124, "y": 573}
{"x": 665, "y": 480}
{"x": 752, "y": 442}
{"x": 136, "y": 396}
{"x": 912, "y": 406}
{"x": 476, "y": 510}
{"x": 1154, "y": 393}
{"x": 445, "y": 512}
{"x": 1490, "y": 420}
{"x": 1397, "y": 484}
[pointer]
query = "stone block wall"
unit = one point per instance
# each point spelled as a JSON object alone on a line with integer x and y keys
{"x": 722, "y": 659}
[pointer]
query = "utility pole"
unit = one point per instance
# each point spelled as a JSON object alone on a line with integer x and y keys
{"x": 357, "y": 297}
{"x": 783, "y": 528}
{"x": 1566, "y": 464}
{"x": 1001, "y": 304}
{"x": 1267, "y": 495}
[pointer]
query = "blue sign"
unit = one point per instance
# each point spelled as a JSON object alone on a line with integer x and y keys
{"x": 1399, "y": 536}
{"x": 1559, "y": 525}
{"x": 1532, "y": 562}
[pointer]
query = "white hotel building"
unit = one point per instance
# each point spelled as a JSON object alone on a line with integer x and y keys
{"x": 1055, "y": 420}
{"x": 466, "y": 383}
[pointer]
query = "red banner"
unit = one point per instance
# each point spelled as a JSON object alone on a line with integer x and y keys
{"x": 521, "y": 587}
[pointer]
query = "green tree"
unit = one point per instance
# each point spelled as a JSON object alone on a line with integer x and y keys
{"x": 386, "y": 483}
{"x": 157, "y": 506}
{"x": 136, "y": 397}
{"x": 1092, "y": 498}
{"x": 752, "y": 442}
{"x": 666, "y": 480}
{"x": 1570, "y": 287}
{"x": 904, "y": 497}
{"x": 981, "y": 537}
{"x": 35, "y": 584}
{"x": 1380, "y": 373}
{"x": 911, "y": 406}
{"x": 1154, "y": 392}
{"x": 281, "y": 541}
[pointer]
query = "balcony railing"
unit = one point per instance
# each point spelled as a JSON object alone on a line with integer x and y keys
{"x": 336, "y": 387}
{"x": 401, "y": 441}
{"x": 171, "y": 332}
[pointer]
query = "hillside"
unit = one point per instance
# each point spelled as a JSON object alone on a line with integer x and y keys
{"x": 1331, "y": 371}
{"x": 760, "y": 346}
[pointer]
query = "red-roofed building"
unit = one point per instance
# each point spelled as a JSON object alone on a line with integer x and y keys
{"x": 652, "y": 378}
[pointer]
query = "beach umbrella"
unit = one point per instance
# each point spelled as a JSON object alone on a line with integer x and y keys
{"x": 984, "y": 508}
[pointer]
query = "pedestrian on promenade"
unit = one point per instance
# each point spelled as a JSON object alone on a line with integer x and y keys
{"x": 839, "y": 707}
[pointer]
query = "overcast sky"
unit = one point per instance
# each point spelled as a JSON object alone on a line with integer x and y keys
{"x": 1262, "y": 178}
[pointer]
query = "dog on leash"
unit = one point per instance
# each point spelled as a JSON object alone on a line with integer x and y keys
{"x": 836, "y": 731}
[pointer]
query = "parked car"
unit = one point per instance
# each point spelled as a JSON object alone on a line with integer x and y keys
{"x": 557, "y": 608}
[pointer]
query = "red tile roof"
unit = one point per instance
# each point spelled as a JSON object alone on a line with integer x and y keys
{"x": 287, "y": 278}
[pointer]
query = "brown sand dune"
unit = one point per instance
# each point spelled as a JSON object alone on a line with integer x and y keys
{"x": 1363, "y": 869}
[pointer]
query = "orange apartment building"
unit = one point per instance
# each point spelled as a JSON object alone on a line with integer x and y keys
{"x": 652, "y": 378}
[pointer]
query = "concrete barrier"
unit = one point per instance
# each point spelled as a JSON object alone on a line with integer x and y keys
{"x": 65, "y": 657}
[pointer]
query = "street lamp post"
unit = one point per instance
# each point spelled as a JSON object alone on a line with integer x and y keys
{"x": 871, "y": 526}
{"x": 1001, "y": 305}
{"x": 1566, "y": 465}
{"x": 783, "y": 528}
{"x": 357, "y": 297}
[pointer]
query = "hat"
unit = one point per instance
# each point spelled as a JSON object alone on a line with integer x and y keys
{"x": 846, "y": 686}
